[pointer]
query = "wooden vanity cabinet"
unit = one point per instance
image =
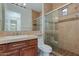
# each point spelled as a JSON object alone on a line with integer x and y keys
{"x": 21, "y": 48}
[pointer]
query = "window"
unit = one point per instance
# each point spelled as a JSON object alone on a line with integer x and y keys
{"x": 64, "y": 12}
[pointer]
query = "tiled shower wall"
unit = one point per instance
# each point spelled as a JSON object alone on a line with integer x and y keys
{"x": 67, "y": 29}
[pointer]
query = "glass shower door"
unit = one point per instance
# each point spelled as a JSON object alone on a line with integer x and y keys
{"x": 50, "y": 29}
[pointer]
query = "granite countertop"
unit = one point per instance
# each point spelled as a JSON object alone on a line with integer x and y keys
{"x": 9, "y": 39}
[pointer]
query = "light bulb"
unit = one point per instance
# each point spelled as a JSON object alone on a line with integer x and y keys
{"x": 24, "y": 4}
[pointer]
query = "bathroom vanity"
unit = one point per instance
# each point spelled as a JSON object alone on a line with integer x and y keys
{"x": 21, "y": 45}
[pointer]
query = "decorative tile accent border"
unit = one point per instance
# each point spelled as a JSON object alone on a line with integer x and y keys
{"x": 19, "y": 33}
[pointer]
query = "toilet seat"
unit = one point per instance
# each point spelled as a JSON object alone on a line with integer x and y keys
{"x": 45, "y": 48}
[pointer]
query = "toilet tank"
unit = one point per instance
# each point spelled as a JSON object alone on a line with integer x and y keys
{"x": 40, "y": 40}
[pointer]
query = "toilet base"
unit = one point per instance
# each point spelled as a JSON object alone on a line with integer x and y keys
{"x": 41, "y": 53}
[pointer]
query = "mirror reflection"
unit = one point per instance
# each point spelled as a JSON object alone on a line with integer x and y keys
{"x": 20, "y": 16}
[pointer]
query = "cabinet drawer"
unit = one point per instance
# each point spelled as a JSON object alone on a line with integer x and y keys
{"x": 10, "y": 53}
{"x": 32, "y": 42}
{"x": 30, "y": 51}
{"x": 3, "y": 47}
{"x": 17, "y": 45}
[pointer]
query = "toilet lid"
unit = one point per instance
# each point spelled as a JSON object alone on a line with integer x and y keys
{"x": 45, "y": 48}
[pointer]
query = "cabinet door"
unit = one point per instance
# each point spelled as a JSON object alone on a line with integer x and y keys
{"x": 29, "y": 51}
{"x": 3, "y": 47}
{"x": 10, "y": 53}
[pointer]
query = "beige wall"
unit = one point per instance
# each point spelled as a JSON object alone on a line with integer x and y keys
{"x": 47, "y": 7}
{"x": 51, "y": 6}
{"x": 56, "y": 5}
{"x": 34, "y": 16}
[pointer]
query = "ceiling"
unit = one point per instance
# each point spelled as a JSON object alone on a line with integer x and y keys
{"x": 34, "y": 6}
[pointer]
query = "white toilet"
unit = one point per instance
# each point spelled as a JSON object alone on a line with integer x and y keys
{"x": 44, "y": 50}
